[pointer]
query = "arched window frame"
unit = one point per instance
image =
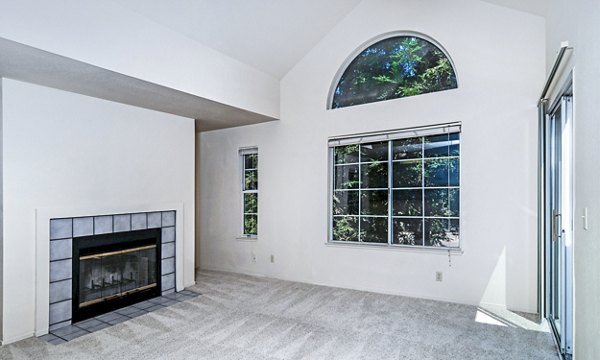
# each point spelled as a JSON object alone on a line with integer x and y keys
{"x": 373, "y": 41}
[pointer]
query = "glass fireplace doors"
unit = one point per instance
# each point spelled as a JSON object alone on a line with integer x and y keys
{"x": 114, "y": 274}
{"x": 115, "y": 270}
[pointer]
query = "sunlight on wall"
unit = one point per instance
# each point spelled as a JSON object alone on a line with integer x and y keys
{"x": 495, "y": 291}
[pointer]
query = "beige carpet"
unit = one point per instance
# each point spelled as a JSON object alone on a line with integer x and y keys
{"x": 243, "y": 317}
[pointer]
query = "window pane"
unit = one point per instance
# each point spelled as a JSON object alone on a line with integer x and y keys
{"x": 346, "y": 177}
{"x": 441, "y": 232}
{"x": 454, "y": 144}
{"x": 408, "y": 231}
{"x": 436, "y": 172}
{"x": 425, "y": 194}
{"x": 345, "y": 228}
{"x": 392, "y": 68}
{"x": 374, "y": 202}
{"x": 408, "y": 202}
{"x": 346, "y": 154}
{"x": 374, "y": 175}
{"x": 374, "y": 230}
{"x": 407, "y": 174}
{"x": 436, "y": 145}
{"x": 250, "y": 224}
{"x": 411, "y": 148}
{"x": 436, "y": 202}
{"x": 454, "y": 202}
{"x": 250, "y": 161}
{"x": 374, "y": 152}
{"x": 345, "y": 202}
{"x": 250, "y": 179}
{"x": 453, "y": 235}
{"x": 454, "y": 172}
{"x": 251, "y": 203}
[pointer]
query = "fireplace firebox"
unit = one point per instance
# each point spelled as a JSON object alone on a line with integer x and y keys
{"x": 115, "y": 270}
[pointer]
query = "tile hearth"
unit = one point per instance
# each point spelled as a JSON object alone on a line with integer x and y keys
{"x": 103, "y": 321}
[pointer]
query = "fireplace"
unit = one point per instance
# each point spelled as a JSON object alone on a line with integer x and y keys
{"x": 104, "y": 262}
{"x": 114, "y": 270}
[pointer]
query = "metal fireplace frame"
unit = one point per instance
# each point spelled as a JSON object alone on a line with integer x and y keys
{"x": 87, "y": 245}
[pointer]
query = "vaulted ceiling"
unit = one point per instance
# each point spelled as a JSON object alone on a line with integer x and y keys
{"x": 270, "y": 35}
{"x": 536, "y": 7}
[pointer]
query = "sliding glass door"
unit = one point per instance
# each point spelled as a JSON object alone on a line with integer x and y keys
{"x": 559, "y": 221}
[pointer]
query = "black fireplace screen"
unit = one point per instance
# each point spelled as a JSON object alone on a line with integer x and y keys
{"x": 116, "y": 273}
{"x": 115, "y": 270}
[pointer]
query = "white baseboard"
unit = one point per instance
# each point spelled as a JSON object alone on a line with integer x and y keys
{"x": 14, "y": 339}
{"x": 231, "y": 271}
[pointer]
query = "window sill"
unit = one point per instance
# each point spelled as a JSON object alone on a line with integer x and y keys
{"x": 247, "y": 238}
{"x": 387, "y": 247}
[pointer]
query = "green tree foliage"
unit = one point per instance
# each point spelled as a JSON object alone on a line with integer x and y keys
{"x": 250, "y": 180}
{"x": 425, "y": 196}
{"x": 392, "y": 68}
{"x": 250, "y": 224}
{"x": 345, "y": 228}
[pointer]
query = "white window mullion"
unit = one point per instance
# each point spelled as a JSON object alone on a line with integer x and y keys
{"x": 423, "y": 227}
{"x": 359, "y": 216}
{"x": 390, "y": 195}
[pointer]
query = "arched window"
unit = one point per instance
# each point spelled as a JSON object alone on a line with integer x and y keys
{"x": 395, "y": 67}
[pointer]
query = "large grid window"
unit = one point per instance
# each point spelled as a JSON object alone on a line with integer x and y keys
{"x": 403, "y": 190}
{"x": 249, "y": 158}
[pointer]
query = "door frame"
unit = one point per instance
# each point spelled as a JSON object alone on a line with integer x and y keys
{"x": 548, "y": 107}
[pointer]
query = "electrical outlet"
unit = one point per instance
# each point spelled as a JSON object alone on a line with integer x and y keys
{"x": 272, "y": 258}
{"x": 439, "y": 276}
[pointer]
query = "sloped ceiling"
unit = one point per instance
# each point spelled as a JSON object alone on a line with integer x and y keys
{"x": 536, "y": 7}
{"x": 270, "y": 35}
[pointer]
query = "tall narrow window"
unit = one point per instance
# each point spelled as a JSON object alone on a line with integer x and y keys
{"x": 397, "y": 188}
{"x": 249, "y": 158}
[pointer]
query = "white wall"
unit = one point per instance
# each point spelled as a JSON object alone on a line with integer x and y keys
{"x": 500, "y": 60}
{"x": 578, "y": 22}
{"x": 1, "y": 221}
{"x": 112, "y": 37}
{"x": 68, "y": 155}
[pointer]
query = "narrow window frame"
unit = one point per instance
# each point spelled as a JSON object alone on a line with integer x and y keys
{"x": 243, "y": 153}
{"x": 390, "y": 136}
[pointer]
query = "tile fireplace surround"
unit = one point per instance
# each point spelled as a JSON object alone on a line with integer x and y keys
{"x": 64, "y": 230}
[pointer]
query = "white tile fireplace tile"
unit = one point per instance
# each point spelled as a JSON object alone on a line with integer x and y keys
{"x": 83, "y": 226}
{"x": 168, "y": 250}
{"x": 61, "y": 249}
{"x": 60, "y": 270}
{"x": 60, "y": 291}
{"x": 103, "y": 225}
{"x": 122, "y": 222}
{"x": 154, "y": 220}
{"x": 168, "y": 266}
{"x": 60, "y": 312}
{"x": 61, "y": 228}
{"x": 139, "y": 221}
{"x": 168, "y": 281}
{"x": 167, "y": 235}
{"x": 59, "y": 325}
{"x": 168, "y": 218}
